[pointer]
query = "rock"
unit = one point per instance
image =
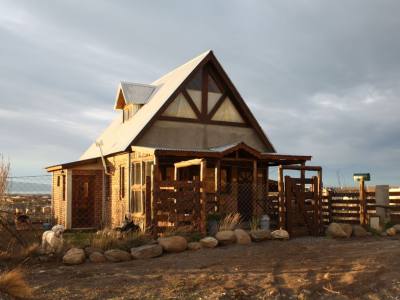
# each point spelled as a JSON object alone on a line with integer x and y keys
{"x": 336, "y": 231}
{"x": 242, "y": 237}
{"x": 146, "y": 251}
{"x": 391, "y": 231}
{"x": 397, "y": 227}
{"x": 359, "y": 231}
{"x": 225, "y": 237}
{"x": 280, "y": 234}
{"x": 347, "y": 228}
{"x": 117, "y": 255}
{"x": 74, "y": 256}
{"x": 260, "y": 235}
{"x": 194, "y": 246}
{"x": 209, "y": 242}
{"x": 173, "y": 243}
{"x": 90, "y": 250}
{"x": 97, "y": 257}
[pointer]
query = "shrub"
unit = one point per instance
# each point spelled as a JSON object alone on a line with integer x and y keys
{"x": 12, "y": 283}
{"x": 229, "y": 222}
{"x": 110, "y": 239}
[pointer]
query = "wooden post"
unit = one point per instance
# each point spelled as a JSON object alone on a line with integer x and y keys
{"x": 197, "y": 206}
{"x": 267, "y": 204}
{"x": 203, "y": 199}
{"x": 363, "y": 203}
{"x": 148, "y": 202}
{"x": 281, "y": 198}
{"x": 320, "y": 192}
{"x": 155, "y": 194}
{"x": 288, "y": 205}
{"x": 254, "y": 192}
{"x": 217, "y": 179}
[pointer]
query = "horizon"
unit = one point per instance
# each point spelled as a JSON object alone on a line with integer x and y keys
{"x": 317, "y": 86}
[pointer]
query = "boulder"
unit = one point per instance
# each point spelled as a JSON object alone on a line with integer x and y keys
{"x": 90, "y": 250}
{"x": 336, "y": 231}
{"x": 347, "y": 228}
{"x": 74, "y": 256}
{"x": 117, "y": 255}
{"x": 260, "y": 235}
{"x": 146, "y": 251}
{"x": 173, "y": 243}
{"x": 209, "y": 242}
{"x": 391, "y": 231}
{"x": 97, "y": 257}
{"x": 397, "y": 227}
{"x": 194, "y": 246}
{"x": 242, "y": 237}
{"x": 225, "y": 237}
{"x": 280, "y": 234}
{"x": 359, "y": 231}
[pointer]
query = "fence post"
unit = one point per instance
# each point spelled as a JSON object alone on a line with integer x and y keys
{"x": 363, "y": 202}
{"x": 281, "y": 198}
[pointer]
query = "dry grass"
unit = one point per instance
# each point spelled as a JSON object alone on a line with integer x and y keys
{"x": 255, "y": 223}
{"x": 110, "y": 239}
{"x": 229, "y": 222}
{"x": 12, "y": 283}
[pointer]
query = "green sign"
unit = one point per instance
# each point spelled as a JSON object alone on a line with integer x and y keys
{"x": 358, "y": 176}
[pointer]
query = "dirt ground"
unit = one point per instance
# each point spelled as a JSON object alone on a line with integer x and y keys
{"x": 303, "y": 268}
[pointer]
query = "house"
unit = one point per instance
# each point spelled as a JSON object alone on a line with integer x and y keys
{"x": 183, "y": 147}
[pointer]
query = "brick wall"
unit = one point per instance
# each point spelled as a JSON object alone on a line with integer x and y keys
{"x": 116, "y": 205}
{"x": 58, "y": 200}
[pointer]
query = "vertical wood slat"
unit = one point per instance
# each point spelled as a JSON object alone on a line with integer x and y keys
{"x": 203, "y": 198}
{"x": 281, "y": 198}
{"x": 288, "y": 205}
{"x": 148, "y": 202}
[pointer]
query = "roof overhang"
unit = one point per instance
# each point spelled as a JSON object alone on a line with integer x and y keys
{"x": 69, "y": 165}
{"x": 223, "y": 151}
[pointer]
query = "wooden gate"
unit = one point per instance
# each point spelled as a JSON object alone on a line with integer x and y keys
{"x": 302, "y": 199}
{"x": 83, "y": 197}
{"x": 176, "y": 204}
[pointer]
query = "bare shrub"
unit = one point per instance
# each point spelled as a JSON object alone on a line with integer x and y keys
{"x": 229, "y": 222}
{"x": 4, "y": 173}
{"x": 12, "y": 283}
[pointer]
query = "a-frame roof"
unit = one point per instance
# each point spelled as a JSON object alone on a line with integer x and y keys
{"x": 120, "y": 135}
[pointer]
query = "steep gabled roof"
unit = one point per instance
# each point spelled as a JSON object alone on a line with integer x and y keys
{"x": 118, "y": 136}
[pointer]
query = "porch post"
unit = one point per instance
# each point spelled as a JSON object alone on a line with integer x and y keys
{"x": 217, "y": 179}
{"x": 281, "y": 198}
{"x": 203, "y": 197}
{"x": 68, "y": 210}
{"x": 255, "y": 189}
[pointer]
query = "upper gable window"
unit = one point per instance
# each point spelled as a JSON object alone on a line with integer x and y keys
{"x": 181, "y": 108}
{"x": 194, "y": 88}
{"x": 214, "y": 93}
{"x": 129, "y": 111}
{"x": 227, "y": 112}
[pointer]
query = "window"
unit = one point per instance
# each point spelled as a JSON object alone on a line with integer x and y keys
{"x": 63, "y": 187}
{"x": 58, "y": 181}
{"x": 107, "y": 187}
{"x": 136, "y": 172}
{"x": 147, "y": 172}
{"x": 137, "y": 204}
{"x": 121, "y": 182}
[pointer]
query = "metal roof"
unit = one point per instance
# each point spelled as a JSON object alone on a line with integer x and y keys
{"x": 135, "y": 93}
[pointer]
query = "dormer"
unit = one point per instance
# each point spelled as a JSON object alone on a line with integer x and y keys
{"x": 131, "y": 97}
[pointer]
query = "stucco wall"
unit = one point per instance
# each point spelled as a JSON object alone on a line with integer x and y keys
{"x": 197, "y": 136}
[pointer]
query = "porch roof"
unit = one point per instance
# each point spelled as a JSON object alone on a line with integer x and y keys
{"x": 222, "y": 151}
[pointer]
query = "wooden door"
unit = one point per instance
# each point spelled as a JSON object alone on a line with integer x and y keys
{"x": 83, "y": 192}
{"x": 245, "y": 193}
{"x": 302, "y": 205}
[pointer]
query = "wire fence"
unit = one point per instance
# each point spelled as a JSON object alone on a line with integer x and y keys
{"x": 28, "y": 195}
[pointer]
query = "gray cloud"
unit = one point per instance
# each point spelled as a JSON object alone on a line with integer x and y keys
{"x": 322, "y": 78}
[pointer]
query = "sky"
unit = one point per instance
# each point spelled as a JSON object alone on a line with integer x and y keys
{"x": 322, "y": 77}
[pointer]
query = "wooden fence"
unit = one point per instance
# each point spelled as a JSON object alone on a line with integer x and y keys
{"x": 344, "y": 206}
